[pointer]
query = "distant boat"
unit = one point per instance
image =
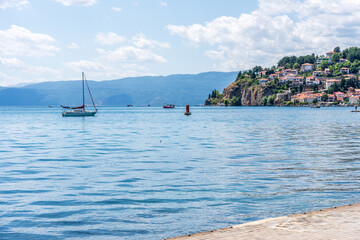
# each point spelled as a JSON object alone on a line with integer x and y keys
{"x": 66, "y": 107}
{"x": 169, "y": 106}
{"x": 50, "y": 106}
{"x": 80, "y": 111}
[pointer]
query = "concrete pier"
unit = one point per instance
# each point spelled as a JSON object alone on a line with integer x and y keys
{"x": 333, "y": 223}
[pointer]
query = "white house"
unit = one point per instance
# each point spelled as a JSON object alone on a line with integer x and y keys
{"x": 331, "y": 82}
{"x": 344, "y": 70}
{"x": 306, "y": 67}
{"x": 329, "y": 54}
{"x": 263, "y": 81}
{"x": 312, "y": 81}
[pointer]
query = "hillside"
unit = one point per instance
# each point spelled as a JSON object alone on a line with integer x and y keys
{"x": 329, "y": 79}
{"x": 177, "y": 89}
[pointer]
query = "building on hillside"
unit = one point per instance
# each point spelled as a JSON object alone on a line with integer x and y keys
{"x": 261, "y": 73}
{"x": 317, "y": 73}
{"x": 342, "y": 60}
{"x": 282, "y": 80}
{"x": 344, "y": 70}
{"x": 330, "y": 82}
{"x": 307, "y": 67}
{"x": 319, "y": 60}
{"x": 272, "y": 76}
{"x": 339, "y": 96}
{"x": 327, "y": 71}
{"x": 263, "y": 81}
{"x": 329, "y": 54}
{"x": 310, "y": 98}
{"x": 298, "y": 81}
{"x": 354, "y": 100}
{"x": 349, "y": 76}
{"x": 312, "y": 81}
{"x": 289, "y": 77}
{"x": 331, "y": 98}
{"x": 290, "y": 71}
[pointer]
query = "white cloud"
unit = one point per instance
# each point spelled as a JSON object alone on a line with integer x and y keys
{"x": 164, "y": 4}
{"x": 19, "y": 41}
{"x": 142, "y": 42}
{"x": 275, "y": 29}
{"x": 11, "y": 63}
{"x": 124, "y": 61}
{"x": 16, "y": 67}
{"x": 116, "y": 9}
{"x": 109, "y": 38}
{"x": 13, "y": 3}
{"x": 85, "y": 3}
{"x": 73, "y": 46}
{"x": 131, "y": 54}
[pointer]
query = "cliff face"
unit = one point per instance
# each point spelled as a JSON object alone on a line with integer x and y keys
{"x": 250, "y": 96}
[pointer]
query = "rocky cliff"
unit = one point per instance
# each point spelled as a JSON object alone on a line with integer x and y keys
{"x": 249, "y": 95}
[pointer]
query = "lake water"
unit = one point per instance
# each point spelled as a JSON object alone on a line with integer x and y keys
{"x": 152, "y": 173}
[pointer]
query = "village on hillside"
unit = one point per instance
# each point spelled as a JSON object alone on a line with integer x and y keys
{"x": 311, "y": 75}
{"x": 329, "y": 79}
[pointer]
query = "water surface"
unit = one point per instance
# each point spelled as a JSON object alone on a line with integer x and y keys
{"x": 152, "y": 173}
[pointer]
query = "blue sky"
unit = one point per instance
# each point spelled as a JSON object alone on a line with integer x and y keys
{"x": 51, "y": 40}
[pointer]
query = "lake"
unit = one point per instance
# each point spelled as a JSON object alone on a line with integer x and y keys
{"x": 152, "y": 173}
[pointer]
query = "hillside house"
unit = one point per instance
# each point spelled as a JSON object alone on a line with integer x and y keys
{"x": 330, "y": 82}
{"x": 339, "y": 96}
{"x": 290, "y": 71}
{"x": 298, "y": 81}
{"x": 330, "y": 54}
{"x": 312, "y": 81}
{"x": 344, "y": 70}
{"x": 263, "y": 81}
{"x": 327, "y": 71}
{"x": 354, "y": 100}
{"x": 317, "y": 73}
{"x": 307, "y": 67}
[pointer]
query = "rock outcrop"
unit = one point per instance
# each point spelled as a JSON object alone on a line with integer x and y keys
{"x": 250, "y": 96}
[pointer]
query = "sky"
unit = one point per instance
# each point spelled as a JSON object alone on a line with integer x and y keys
{"x": 53, "y": 40}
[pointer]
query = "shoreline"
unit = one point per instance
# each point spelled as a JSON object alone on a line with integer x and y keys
{"x": 331, "y": 223}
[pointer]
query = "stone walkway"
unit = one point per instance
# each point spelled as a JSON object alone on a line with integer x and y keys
{"x": 341, "y": 223}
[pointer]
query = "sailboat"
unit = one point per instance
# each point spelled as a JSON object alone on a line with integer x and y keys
{"x": 80, "y": 111}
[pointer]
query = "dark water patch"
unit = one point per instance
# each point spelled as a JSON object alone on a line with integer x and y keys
{"x": 61, "y": 214}
{"x": 6, "y": 192}
{"x": 58, "y": 160}
{"x": 12, "y": 236}
{"x": 59, "y": 203}
{"x": 105, "y": 232}
{"x": 169, "y": 210}
{"x": 24, "y": 172}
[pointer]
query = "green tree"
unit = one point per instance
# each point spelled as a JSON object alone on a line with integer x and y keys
{"x": 337, "y": 49}
{"x": 323, "y": 65}
{"x": 235, "y": 101}
{"x": 324, "y": 97}
{"x": 296, "y": 65}
{"x": 335, "y": 57}
{"x": 264, "y": 101}
{"x": 271, "y": 100}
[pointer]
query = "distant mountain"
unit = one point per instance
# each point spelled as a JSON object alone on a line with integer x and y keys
{"x": 179, "y": 89}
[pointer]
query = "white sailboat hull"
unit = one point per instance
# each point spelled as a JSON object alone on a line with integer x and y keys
{"x": 79, "y": 114}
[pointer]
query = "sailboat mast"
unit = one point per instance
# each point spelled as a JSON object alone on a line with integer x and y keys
{"x": 83, "y": 90}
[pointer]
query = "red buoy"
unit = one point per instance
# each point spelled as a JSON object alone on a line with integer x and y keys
{"x": 187, "y": 110}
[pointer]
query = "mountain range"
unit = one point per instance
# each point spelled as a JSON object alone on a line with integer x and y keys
{"x": 178, "y": 89}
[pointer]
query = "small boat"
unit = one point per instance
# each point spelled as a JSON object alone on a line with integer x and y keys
{"x": 169, "y": 106}
{"x": 50, "y": 106}
{"x": 80, "y": 111}
{"x": 66, "y": 107}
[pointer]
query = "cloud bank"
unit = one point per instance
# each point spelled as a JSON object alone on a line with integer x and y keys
{"x": 275, "y": 29}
